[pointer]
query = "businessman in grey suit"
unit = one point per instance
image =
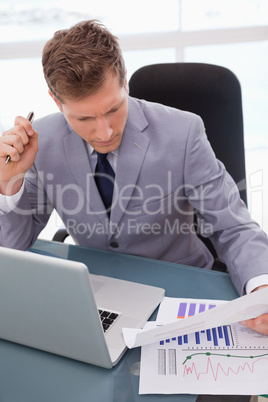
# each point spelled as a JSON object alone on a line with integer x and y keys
{"x": 162, "y": 170}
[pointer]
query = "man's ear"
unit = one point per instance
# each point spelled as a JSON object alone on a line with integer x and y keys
{"x": 55, "y": 100}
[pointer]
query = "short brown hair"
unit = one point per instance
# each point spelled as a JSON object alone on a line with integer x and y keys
{"x": 77, "y": 60}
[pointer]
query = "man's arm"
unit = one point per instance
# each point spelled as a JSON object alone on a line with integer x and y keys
{"x": 21, "y": 225}
{"x": 8, "y": 203}
{"x": 238, "y": 240}
{"x": 18, "y": 228}
{"x": 224, "y": 219}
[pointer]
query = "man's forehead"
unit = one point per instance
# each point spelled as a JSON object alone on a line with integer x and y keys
{"x": 102, "y": 102}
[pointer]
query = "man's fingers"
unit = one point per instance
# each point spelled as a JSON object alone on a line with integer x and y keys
{"x": 25, "y": 123}
{"x": 11, "y": 145}
{"x": 20, "y": 132}
{"x": 259, "y": 324}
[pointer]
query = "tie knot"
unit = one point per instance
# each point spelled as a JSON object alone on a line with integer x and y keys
{"x": 101, "y": 157}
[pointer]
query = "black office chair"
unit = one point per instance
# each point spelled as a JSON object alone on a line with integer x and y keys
{"x": 212, "y": 92}
{"x": 60, "y": 235}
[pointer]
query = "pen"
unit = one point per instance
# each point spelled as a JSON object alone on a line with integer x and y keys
{"x": 30, "y": 117}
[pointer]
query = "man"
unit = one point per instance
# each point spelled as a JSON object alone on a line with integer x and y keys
{"x": 160, "y": 163}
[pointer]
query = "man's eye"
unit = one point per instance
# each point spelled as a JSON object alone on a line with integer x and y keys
{"x": 84, "y": 118}
{"x": 113, "y": 110}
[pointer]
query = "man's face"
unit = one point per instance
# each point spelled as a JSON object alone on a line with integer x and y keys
{"x": 100, "y": 119}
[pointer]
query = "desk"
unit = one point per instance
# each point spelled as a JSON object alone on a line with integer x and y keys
{"x": 29, "y": 375}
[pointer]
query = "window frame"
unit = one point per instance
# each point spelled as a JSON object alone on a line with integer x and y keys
{"x": 176, "y": 39}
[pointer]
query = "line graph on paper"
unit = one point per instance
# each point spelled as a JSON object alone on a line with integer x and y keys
{"x": 217, "y": 365}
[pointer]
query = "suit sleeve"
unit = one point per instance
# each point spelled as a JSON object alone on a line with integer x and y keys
{"x": 222, "y": 215}
{"x": 20, "y": 227}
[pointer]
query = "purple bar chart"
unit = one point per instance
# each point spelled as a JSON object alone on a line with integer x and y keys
{"x": 209, "y": 338}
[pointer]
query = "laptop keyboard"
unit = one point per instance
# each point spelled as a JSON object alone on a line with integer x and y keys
{"x": 107, "y": 318}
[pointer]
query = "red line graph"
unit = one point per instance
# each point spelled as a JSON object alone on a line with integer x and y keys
{"x": 216, "y": 370}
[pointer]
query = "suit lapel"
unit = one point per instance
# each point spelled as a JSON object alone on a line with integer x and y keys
{"x": 131, "y": 155}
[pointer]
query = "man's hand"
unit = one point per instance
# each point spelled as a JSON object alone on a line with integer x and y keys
{"x": 20, "y": 142}
{"x": 259, "y": 324}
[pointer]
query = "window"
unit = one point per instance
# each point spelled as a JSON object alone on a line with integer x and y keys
{"x": 217, "y": 14}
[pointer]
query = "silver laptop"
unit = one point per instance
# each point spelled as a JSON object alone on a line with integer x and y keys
{"x": 55, "y": 305}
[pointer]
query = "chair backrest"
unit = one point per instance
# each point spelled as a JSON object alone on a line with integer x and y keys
{"x": 212, "y": 92}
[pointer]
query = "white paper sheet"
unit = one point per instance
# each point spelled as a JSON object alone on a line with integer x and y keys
{"x": 228, "y": 359}
{"x": 242, "y": 308}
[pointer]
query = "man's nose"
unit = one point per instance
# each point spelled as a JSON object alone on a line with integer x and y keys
{"x": 104, "y": 131}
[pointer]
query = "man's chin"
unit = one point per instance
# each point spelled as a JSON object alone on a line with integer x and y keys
{"x": 106, "y": 147}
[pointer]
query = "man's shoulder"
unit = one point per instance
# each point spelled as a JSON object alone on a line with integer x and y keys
{"x": 158, "y": 111}
{"x": 51, "y": 129}
{"x": 51, "y": 122}
{"x": 160, "y": 118}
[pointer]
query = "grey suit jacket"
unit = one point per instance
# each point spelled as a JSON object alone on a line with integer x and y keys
{"x": 165, "y": 169}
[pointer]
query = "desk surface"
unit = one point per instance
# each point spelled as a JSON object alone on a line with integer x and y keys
{"x": 29, "y": 375}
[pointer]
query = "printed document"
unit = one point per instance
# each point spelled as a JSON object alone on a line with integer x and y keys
{"x": 242, "y": 308}
{"x": 225, "y": 358}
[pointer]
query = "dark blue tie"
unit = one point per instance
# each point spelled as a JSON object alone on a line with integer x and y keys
{"x": 104, "y": 178}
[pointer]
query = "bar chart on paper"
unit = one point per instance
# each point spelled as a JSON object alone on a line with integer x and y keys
{"x": 221, "y": 336}
{"x": 224, "y": 337}
{"x": 228, "y": 359}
